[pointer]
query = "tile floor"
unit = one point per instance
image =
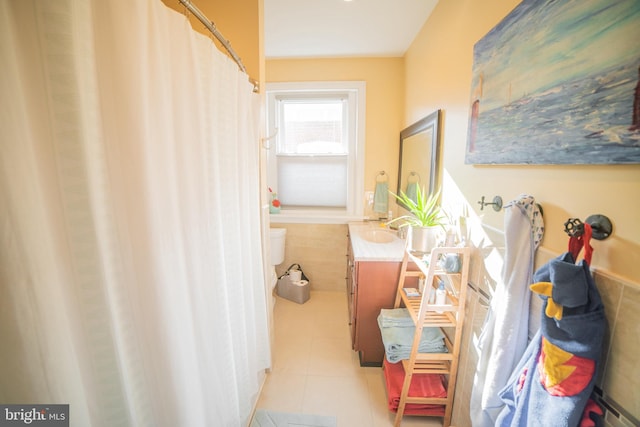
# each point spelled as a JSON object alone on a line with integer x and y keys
{"x": 315, "y": 371}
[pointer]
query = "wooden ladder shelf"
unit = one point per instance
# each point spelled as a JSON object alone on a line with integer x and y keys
{"x": 449, "y": 317}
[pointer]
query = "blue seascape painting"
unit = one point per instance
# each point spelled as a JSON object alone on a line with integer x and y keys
{"x": 558, "y": 82}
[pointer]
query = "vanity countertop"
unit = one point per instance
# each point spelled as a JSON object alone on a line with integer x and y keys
{"x": 366, "y": 250}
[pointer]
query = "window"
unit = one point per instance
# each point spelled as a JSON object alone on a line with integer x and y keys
{"x": 315, "y": 162}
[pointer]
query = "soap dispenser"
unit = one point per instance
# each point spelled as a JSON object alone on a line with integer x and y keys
{"x": 274, "y": 203}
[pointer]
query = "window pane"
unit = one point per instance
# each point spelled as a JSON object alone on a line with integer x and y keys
{"x": 313, "y": 181}
{"x": 313, "y": 127}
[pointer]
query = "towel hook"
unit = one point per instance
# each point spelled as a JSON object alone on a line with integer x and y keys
{"x": 497, "y": 203}
{"x": 601, "y": 226}
{"x": 383, "y": 175}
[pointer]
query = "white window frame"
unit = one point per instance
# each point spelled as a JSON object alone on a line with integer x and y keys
{"x": 355, "y": 91}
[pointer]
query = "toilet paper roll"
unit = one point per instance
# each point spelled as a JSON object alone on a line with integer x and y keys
{"x": 300, "y": 282}
{"x": 295, "y": 275}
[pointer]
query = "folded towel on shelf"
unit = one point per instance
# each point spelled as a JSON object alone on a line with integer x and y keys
{"x": 397, "y": 341}
{"x": 425, "y": 385}
{"x": 381, "y": 198}
{"x": 390, "y": 317}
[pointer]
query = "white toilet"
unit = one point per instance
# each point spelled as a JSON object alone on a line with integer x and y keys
{"x": 277, "y": 236}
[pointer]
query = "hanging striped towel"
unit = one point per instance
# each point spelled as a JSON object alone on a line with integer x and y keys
{"x": 412, "y": 191}
{"x": 381, "y": 198}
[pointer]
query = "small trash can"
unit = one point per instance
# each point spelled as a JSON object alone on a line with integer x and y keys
{"x": 294, "y": 285}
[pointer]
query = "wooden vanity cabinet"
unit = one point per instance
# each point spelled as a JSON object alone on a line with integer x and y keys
{"x": 371, "y": 286}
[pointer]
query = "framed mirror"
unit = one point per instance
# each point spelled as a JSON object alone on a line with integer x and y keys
{"x": 420, "y": 163}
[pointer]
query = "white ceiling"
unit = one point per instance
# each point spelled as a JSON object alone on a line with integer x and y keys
{"x": 339, "y": 28}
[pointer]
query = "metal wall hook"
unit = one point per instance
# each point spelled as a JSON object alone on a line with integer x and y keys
{"x": 497, "y": 203}
{"x": 574, "y": 227}
{"x": 601, "y": 227}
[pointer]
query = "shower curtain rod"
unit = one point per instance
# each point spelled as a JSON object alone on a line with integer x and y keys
{"x": 212, "y": 27}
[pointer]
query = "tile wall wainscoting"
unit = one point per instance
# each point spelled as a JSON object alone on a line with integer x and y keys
{"x": 321, "y": 250}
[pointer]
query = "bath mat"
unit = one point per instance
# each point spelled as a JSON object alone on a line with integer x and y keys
{"x": 263, "y": 418}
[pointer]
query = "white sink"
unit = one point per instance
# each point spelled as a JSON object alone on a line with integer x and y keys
{"x": 378, "y": 236}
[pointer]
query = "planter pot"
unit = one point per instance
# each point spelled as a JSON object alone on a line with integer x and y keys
{"x": 423, "y": 239}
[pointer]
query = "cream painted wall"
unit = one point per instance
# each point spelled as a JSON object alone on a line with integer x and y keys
{"x": 384, "y": 78}
{"x": 240, "y": 22}
{"x": 438, "y": 75}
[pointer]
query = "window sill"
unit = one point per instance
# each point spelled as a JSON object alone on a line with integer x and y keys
{"x": 301, "y": 217}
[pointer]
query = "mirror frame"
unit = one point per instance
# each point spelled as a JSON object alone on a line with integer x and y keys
{"x": 432, "y": 122}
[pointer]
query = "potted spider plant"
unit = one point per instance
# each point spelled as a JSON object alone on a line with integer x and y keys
{"x": 426, "y": 220}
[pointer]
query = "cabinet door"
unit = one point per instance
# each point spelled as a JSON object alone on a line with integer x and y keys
{"x": 376, "y": 284}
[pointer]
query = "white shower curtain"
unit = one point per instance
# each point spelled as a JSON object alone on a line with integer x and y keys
{"x": 131, "y": 280}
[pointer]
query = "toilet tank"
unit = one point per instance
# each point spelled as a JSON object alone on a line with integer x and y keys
{"x": 277, "y": 236}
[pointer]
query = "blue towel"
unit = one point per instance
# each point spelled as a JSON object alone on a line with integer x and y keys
{"x": 554, "y": 380}
{"x": 412, "y": 191}
{"x": 395, "y": 317}
{"x": 398, "y": 341}
{"x": 381, "y": 198}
